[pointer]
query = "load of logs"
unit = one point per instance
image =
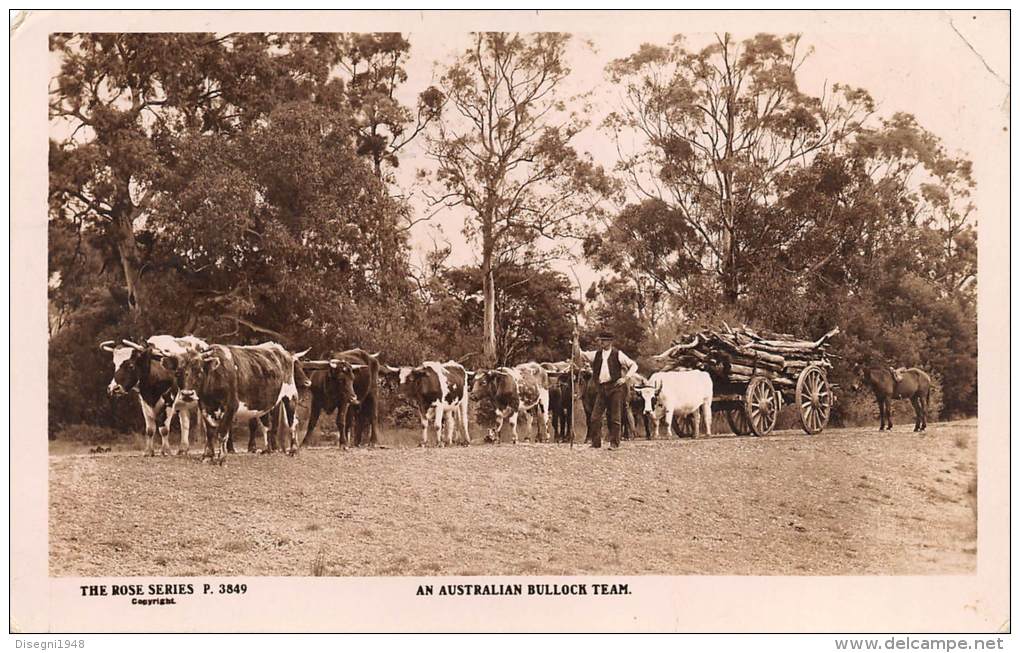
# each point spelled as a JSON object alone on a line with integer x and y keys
{"x": 733, "y": 356}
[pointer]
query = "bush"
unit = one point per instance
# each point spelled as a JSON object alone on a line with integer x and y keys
{"x": 90, "y": 434}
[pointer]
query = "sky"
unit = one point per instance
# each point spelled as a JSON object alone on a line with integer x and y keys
{"x": 950, "y": 70}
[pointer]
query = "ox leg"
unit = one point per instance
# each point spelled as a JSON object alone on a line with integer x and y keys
{"x": 669, "y": 423}
{"x": 212, "y": 427}
{"x": 289, "y": 422}
{"x": 543, "y": 407}
{"x": 917, "y": 413}
{"x": 313, "y": 419}
{"x": 370, "y": 415}
{"x": 342, "y": 436}
{"x": 495, "y": 434}
{"x": 706, "y": 412}
{"x": 356, "y": 429}
{"x": 426, "y": 417}
{"x": 532, "y": 428}
{"x": 888, "y": 413}
{"x": 226, "y": 439}
{"x": 257, "y": 429}
{"x": 184, "y": 416}
{"x": 451, "y": 424}
{"x": 464, "y": 422}
{"x": 164, "y": 430}
{"x": 149, "y": 413}
{"x": 352, "y": 428}
{"x": 513, "y": 424}
{"x": 629, "y": 427}
{"x": 440, "y": 411}
{"x": 253, "y": 434}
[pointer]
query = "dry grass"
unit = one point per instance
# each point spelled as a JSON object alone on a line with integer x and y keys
{"x": 851, "y": 501}
{"x": 319, "y": 563}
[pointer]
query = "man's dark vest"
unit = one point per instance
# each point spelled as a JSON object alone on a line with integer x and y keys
{"x": 615, "y": 372}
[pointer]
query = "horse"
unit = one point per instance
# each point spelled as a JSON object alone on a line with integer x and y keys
{"x": 913, "y": 384}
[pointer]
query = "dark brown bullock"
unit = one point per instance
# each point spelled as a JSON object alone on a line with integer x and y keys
{"x": 362, "y": 416}
{"x": 332, "y": 385}
{"x": 438, "y": 391}
{"x": 913, "y": 384}
{"x": 561, "y": 400}
{"x": 513, "y": 391}
{"x": 636, "y": 406}
{"x": 136, "y": 368}
{"x": 243, "y": 382}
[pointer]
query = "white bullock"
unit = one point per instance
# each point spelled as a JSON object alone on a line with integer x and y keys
{"x": 679, "y": 393}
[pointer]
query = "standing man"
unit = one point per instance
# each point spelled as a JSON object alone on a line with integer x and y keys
{"x": 610, "y": 370}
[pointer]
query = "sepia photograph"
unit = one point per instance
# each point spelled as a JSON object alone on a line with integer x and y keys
{"x": 584, "y": 298}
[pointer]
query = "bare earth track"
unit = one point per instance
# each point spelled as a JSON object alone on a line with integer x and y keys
{"x": 846, "y": 501}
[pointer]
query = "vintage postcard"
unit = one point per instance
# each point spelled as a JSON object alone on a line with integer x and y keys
{"x": 510, "y": 321}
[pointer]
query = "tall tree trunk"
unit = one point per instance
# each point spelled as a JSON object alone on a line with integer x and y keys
{"x": 489, "y": 299}
{"x": 731, "y": 279}
{"x": 130, "y": 261}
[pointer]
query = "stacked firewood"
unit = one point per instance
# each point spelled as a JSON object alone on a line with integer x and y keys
{"x": 735, "y": 355}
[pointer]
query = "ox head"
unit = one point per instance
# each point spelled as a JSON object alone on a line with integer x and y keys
{"x": 648, "y": 393}
{"x": 484, "y": 384}
{"x": 130, "y": 365}
{"x": 338, "y": 372}
{"x": 190, "y": 369}
{"x": 395, "y": 376}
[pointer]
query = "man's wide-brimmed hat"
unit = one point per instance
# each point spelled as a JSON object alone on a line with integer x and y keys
{"x": 606, "y": 335}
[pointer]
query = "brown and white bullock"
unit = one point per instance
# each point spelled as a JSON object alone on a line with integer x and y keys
{"x": 242, "y": 382}
{"x": 335, "y": 384}
{"x": 515, "y": 391}
{"x": 440, "y": 392}
{"x": 678, "y": 394}
{"x": 137, "y": 368}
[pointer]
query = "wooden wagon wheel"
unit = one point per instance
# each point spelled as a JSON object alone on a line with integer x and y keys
{"x": 814, "y": 399}
{"x": 761, "y": 406}
{"x": 737, "y": 419}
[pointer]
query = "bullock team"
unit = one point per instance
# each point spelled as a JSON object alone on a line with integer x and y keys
{"x": 214, "y": 386}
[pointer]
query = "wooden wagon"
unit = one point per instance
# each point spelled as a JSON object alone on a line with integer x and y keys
{"x": 754, "y": 376}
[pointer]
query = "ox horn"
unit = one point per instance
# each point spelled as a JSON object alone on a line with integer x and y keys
{"x": 317, "y": 364}
{"x": 375, "y": 355}
{"x": 357, "y": 366}
{"x": 301, "y": 353}
{"x": 133, "y": 345}
{"x": 107, "y": 345}
{"x": 390, "y": 369}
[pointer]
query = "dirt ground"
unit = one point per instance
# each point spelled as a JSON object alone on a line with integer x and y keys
{"x": 846, "y": 501}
